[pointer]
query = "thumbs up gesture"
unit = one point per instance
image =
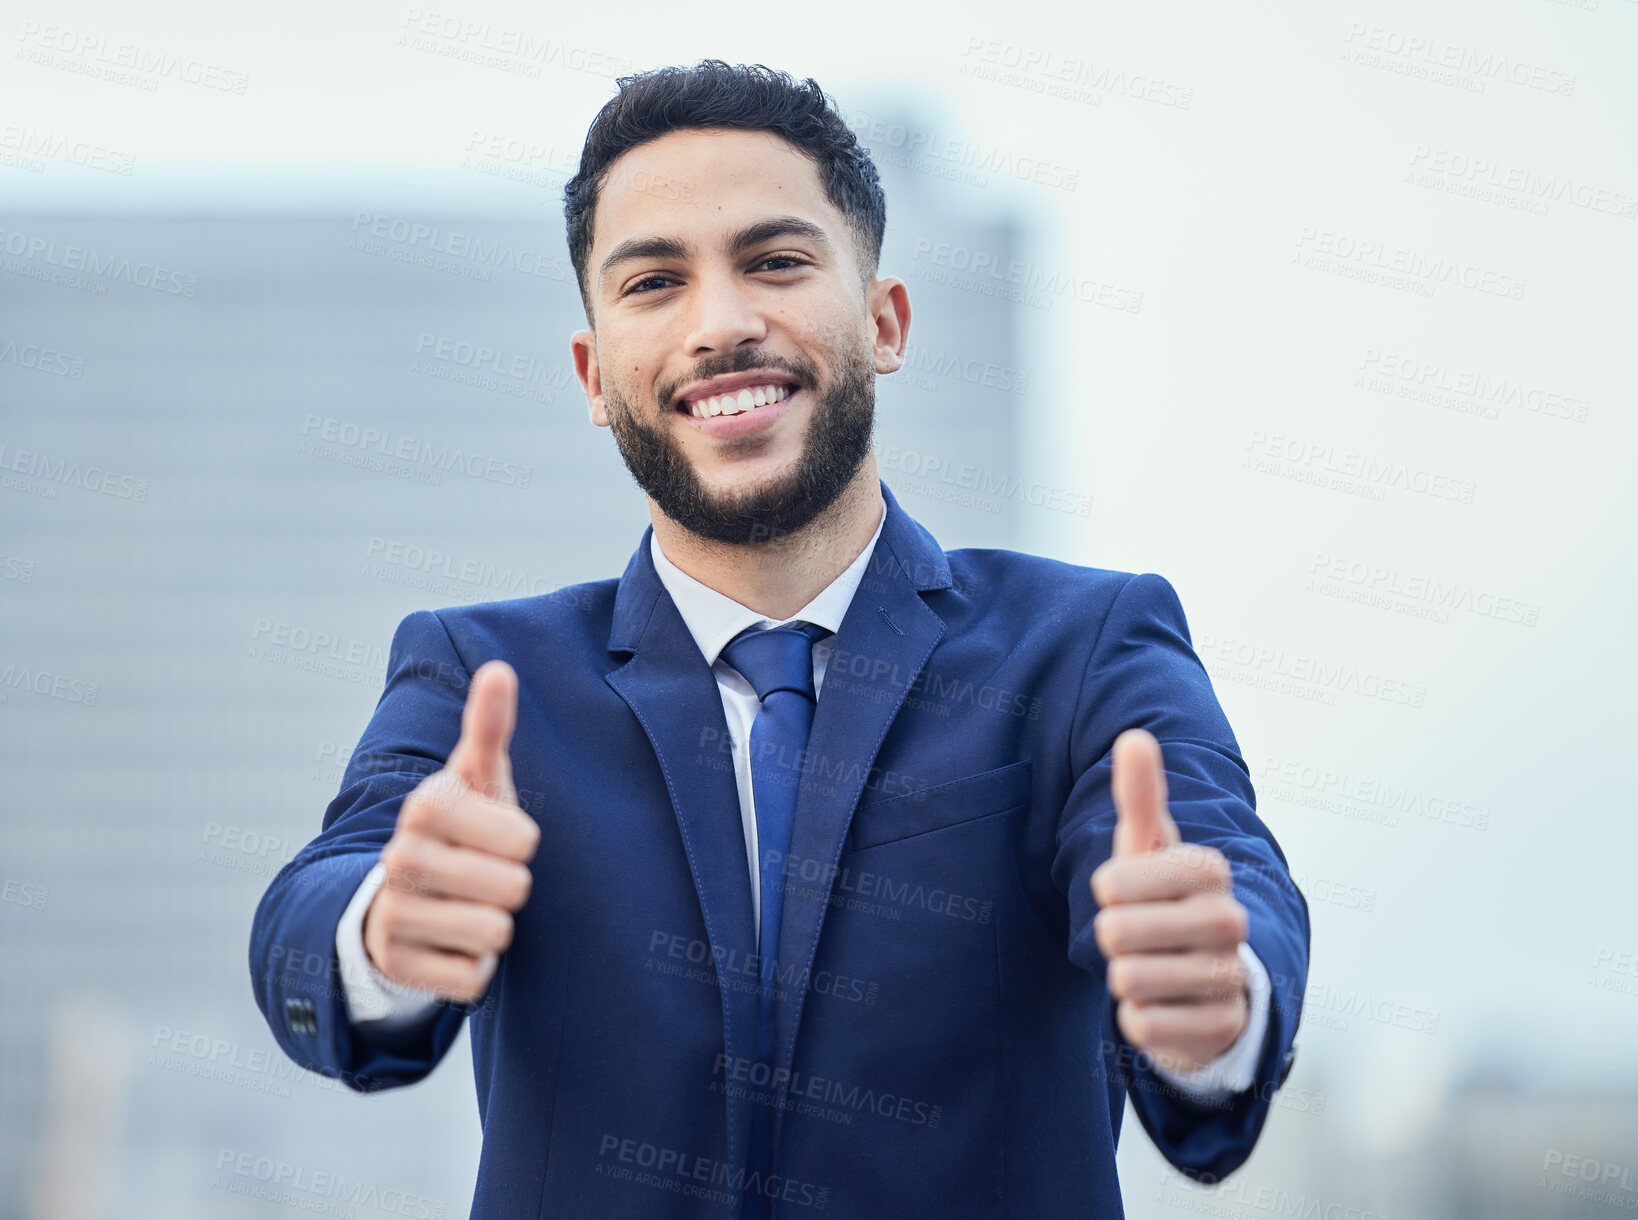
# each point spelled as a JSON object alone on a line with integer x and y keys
{"x": 457, "y": 865}
{"x": 1168, "y": 924}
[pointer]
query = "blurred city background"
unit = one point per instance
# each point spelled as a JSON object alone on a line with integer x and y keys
{"x": 1325, "y": 313}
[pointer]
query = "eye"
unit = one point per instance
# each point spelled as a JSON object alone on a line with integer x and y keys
{"x": 647, "y": 279}
{"x": 637, "y": 288}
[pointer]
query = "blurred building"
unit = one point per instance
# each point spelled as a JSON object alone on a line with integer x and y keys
{"x": 238, "y": 448}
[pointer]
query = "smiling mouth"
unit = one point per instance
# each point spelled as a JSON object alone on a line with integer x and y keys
{"x": 737, "y": 402}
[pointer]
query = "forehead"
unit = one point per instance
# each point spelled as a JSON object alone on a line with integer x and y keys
{"x": 695, "y": 184}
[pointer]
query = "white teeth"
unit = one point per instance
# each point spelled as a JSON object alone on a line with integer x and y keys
{"x": 736, "y": 403}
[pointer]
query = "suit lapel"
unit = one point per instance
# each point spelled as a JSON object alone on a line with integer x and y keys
{"x": 886, "y": 637}
{"x": 885, "y": 640}
{"x": 674, "y": 696}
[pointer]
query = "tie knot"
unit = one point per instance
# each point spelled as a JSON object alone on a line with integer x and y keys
{"x": 776, "y": 658}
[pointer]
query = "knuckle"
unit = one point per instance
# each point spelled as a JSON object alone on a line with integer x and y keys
{"x": 1216, "y": 866}
{"x": 408, "y": 854}
{"x": 495, "y": 931}
{"x": 1222, "y": 918}
{"x": 391, "y": 962}
{"x": 1120, "y": 978}
{"x": 531, "y": 836}
{"x": 385, "y": 909}
{"x": 1106, "y": 931}
{"x": 1137, "y": 1024}
{"x": 420, "y": 810}
{"x": 1100, "y": 885}
{"x": 522, "y": 886}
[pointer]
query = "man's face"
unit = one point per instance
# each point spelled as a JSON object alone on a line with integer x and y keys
{"x": 718, "y": 266}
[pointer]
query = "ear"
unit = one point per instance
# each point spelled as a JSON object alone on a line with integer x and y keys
{"x": 890, "y": 317}
{"x": 583, "y": 348}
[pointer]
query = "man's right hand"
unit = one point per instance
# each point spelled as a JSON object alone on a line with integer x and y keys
{"x": 457, "y": 865}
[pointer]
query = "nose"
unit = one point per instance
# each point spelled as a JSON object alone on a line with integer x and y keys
{"x": 724, "y": 315}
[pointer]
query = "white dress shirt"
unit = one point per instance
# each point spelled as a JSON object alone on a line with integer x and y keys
{"x": 714, "y": 619}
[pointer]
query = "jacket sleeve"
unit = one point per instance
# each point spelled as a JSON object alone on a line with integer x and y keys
{"x": 1142, "y": 672}
{"x": 294, "y": 967}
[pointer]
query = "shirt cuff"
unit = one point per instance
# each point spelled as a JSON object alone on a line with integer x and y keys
{"x": 1236, "y": 1068}
{"x": 371, "y": 996}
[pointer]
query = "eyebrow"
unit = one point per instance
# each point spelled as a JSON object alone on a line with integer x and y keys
{"x": 752, "y": 235}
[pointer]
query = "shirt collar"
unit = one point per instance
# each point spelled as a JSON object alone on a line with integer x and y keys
{"x": 714, "y": 618}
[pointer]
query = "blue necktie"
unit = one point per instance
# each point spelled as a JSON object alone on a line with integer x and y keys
{"x": 778, "y": 663}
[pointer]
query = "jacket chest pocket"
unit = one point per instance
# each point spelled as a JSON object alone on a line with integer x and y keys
{"x": 956, "y": 803}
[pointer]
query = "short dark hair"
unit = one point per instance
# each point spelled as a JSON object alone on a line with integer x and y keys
{"x": 748, "y": 97}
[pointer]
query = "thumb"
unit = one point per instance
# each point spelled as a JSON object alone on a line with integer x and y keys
{"x": 1142, "y": 821}
{"x": 481, "y": 756}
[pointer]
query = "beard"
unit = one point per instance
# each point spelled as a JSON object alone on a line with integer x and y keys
{"x": 838, "y": 438}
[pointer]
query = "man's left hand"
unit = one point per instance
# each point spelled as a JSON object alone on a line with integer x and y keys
{"x": 1169, "y": 925}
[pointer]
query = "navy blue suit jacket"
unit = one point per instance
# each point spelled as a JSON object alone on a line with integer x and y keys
{"x": 946, "y": 1045}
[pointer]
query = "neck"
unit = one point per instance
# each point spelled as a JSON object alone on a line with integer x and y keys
{"x": 778, "y": 576}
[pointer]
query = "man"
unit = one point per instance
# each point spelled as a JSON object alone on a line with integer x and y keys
{"x": 806, "y": 867}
